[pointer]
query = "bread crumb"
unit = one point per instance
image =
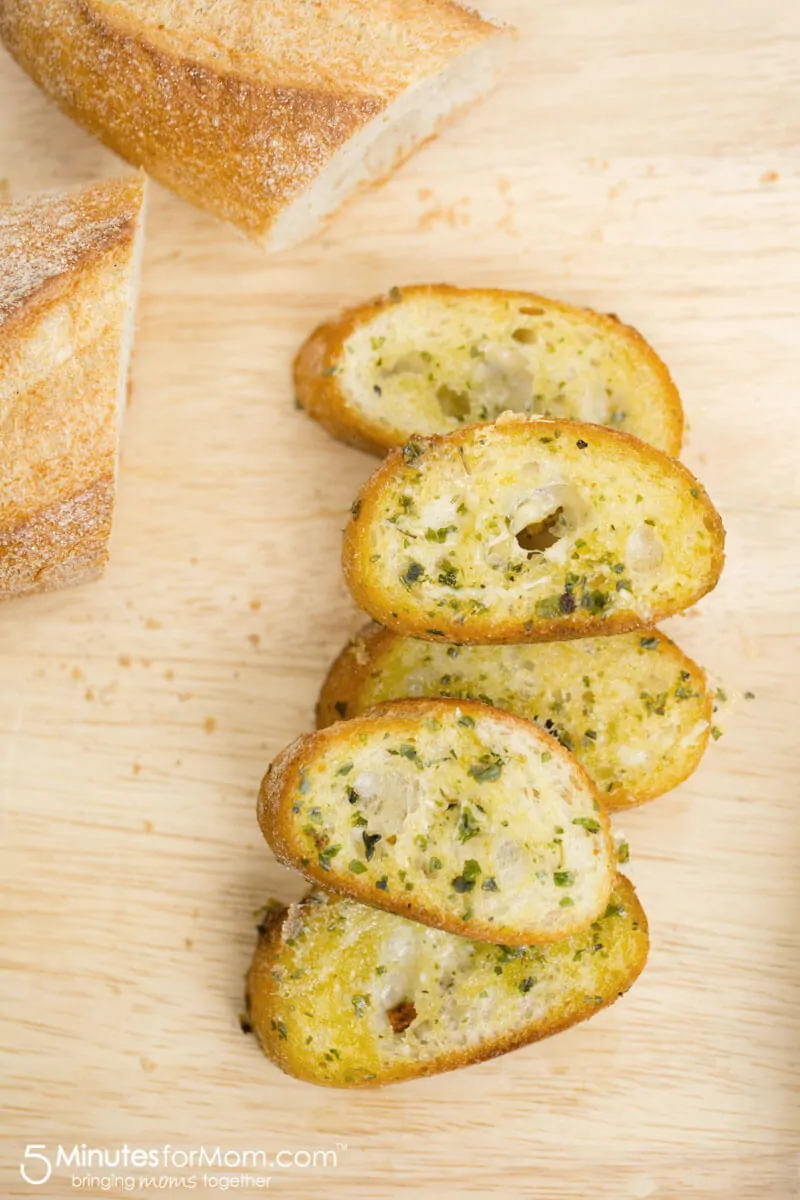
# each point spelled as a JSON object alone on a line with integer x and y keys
{"x": 124, "y": 660}
{"x": 507, "y": 224}
{"x": 76, "y": 674}
{"x": 210, "y": 724}
{"x": 255, "y": 605}
{"x": 148, "y": 826}
{"x": 89, "y": 694}
{"x": 184, "y": 696}
{"x": 503, "y": 185}
{"x": 770, "y": 177}
{"x": 147, "y": 1064}
{"x": 254, "y": 639}
{"x": 188, "y": 943}
{"x": 169, "y": 673}
{"x": 152, "y": 623}
{"x": 425, "y": 193}
{"x": 136, "y": 768}
{"x": 452, "y": 215}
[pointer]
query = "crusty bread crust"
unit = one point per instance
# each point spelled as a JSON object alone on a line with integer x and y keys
{"x": 62, "y": 545}
{"x": 348, "y": 692}
{"x": 238, "y": 109}
{"x": 319, "y": 391}
{"x": 368, "y": 586}
{"x": 66, "y": 284}
{"x": 263, "y": 1005}
{"x": 282, "y": 784}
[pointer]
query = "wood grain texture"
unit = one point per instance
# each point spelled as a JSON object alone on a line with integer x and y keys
{"x": 640, "y": 159}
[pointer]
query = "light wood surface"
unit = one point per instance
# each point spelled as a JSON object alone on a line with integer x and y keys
{"x": 640, "y": 158}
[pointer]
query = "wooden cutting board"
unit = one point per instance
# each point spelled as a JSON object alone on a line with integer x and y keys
{"x": 639, "y": 158}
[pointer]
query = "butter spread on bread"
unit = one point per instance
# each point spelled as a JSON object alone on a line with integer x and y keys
{"x": 268, "y": 113}
{"x": 455, "y": 814}
{"x": 529, "y": 530}
{"x": 429, "y": 359}
{"x": 343, "y": 995}
{"x": 68, "y": 277}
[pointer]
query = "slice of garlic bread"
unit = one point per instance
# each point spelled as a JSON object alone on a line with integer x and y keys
{"x": 346, "y": 996}
{"x": 530, "y": 530}
{"x": 429, "y": 359}
{"x": 453, "y": 813}
{"x": 633, "y": 708}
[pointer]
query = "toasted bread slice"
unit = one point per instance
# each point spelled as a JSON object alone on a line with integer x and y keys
{"x": 68, "y": 278}
{"x": 530, "y": 530}
{"x": 269, "y": 115}
{"x": 452, "y": 813}
{"x": 633, "y": 709}
{"x": 432, "y": 358}
{"x": 346, "y": 996}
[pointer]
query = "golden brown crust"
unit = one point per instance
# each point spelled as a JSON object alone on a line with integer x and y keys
{"x": 47, "y": 242}
{"x": 59, "y": 546}
{"x": 262, "y": 1007}
{"x": 341, "y": 697}
{"x": 236, "y": 112}
{"x": 66, "y": 286}
{"x": 487, "y": 628}
{"x": 282, "y": 781}
{"x": 319, "y": 392}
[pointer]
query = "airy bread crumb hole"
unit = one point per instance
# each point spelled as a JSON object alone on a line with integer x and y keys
{"x": 541, "y": 535}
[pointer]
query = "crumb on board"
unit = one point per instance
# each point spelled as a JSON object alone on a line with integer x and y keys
{"x": 210, "y": 724}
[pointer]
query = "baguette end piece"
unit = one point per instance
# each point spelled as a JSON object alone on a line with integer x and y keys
{"x": 268, "y": 116}
{"x": 68, "y": 275}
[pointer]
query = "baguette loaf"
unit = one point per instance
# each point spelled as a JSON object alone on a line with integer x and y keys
{"x": 530, "y": 530}
{"x": 268, "y": 113}
{"x": 68, "y": 276}
{"x": 346, "y": 996}
{"x": 452, "y": 813}
{"x": 429, "y": 359}
{"x": 633, "y": 709}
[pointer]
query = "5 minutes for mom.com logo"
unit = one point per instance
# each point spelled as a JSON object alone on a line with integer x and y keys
{"x": 40, "y": 1160}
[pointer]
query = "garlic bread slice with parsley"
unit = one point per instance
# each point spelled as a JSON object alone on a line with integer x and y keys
{"x": 343, "y": 995}
{"x": 633, "y": 708}
{"x": 527, "y": 531}
{"x": 430, "y": 359}
{"x": 452, "y": 813}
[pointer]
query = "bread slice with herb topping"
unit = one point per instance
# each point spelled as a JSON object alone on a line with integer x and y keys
{"x": 633, "y": 708}
{"x": 431, "y": 358}
{"x": 530, "y": 530}
{"x": 346, "y": 996}
{"x": 451, "y": 813}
